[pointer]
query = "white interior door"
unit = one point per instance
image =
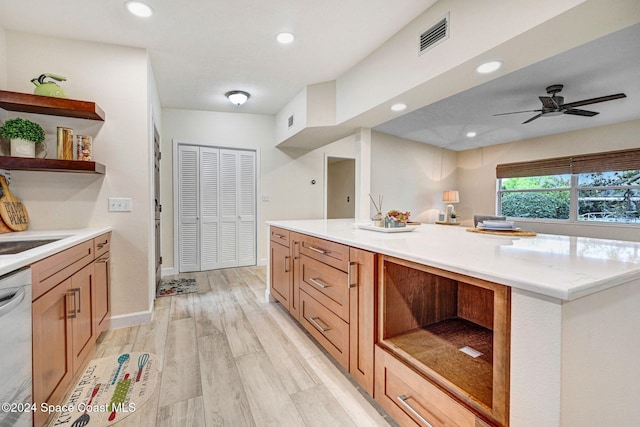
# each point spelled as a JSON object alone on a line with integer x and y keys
{"x": 217, "y": 208}
{"x": 209, "y": 207}
{"x": 247, "y": 208}
{"x": 188, "y": 208}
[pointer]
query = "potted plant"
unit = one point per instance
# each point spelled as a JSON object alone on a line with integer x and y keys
{"x": 24, "y": 135}
{"x": 453, "y": 215}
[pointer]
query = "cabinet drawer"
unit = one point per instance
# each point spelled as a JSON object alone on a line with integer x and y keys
{"x": 331, "y": 253}
{"x": 328, "y": 285}
{"x": 279, "y": 235}
{"x": 412, "y": 400}
{"x": 52, "y": 270}
{"x": 327, "y": 328}
{"x": 101, "y": 244}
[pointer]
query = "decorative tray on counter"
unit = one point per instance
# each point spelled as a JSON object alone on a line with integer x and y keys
{"x": 369, "y": 226}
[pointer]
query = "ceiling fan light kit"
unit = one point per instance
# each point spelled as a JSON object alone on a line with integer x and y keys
{"x": 554, "y": 105}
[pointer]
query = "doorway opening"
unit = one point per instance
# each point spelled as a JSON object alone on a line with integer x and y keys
{"x": 340, "y": 187}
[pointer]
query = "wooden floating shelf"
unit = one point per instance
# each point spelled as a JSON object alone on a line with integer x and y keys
{"x": 51, "y": 165}
{"x": 27, "y": 103}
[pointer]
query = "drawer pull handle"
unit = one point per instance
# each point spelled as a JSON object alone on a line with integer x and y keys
{"x": 316, "y": 323}
{"x": 279, "y": 236}
{"x": 318, "y": 283}
{"x": 73, "y": 314}
{"x": 286, "y": 264}
{"x": 79, "y": 300}
{"x": 102, "y": 260}
{"x": 350, "y": 283}
{"x": 319, "y": 250}
{"x": 403, "y": 399}
{"x": 103, "y": 244}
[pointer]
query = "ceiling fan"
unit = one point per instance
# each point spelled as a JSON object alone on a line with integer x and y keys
{"x": 554, "y": 105}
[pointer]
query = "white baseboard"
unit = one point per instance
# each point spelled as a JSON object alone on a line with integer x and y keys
{"x": 131, "y": 319}
{"x": 168, "y": 271}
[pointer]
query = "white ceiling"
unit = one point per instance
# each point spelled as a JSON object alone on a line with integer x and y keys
{"x": 200, "y": 49}
{"x": 602, "y": 67}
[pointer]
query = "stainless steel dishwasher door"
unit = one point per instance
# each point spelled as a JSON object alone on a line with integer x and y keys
{"x": 15, "y": 349}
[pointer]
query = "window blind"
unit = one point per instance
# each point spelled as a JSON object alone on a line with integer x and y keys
{"x": 583, "y": 163}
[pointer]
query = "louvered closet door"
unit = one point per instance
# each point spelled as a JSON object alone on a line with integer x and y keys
{"x": 217, "y": 208}
{"x": 188, "y": 209}
{"x": 209, "y": 208}
{"x": 247, "y": 208}
{"x": 237, "y": 208}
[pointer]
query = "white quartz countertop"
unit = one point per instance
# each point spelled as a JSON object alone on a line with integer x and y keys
{"x": 67, "y": 239}
{"x": 561, "y": 267}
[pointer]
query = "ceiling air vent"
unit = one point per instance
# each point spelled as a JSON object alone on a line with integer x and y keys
{"x": 438, "y": 33}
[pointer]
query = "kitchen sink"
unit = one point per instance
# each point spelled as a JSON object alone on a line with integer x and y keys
{"x": 17, "y": 246}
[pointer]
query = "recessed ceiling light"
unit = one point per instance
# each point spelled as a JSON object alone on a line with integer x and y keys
{"x": 138, "y": 8}
{"x": 238, "y": 97}
{"x": 489, "y": 67}
{"x": 471, "y": 134}
{"x": 285, "y": 38}
{"x": 398, "y": 107}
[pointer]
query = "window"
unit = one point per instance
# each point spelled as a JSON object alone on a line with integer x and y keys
{"x": 602, "y": 187}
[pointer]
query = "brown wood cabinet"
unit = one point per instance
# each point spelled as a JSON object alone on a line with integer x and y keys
{"x": 362, "y": 316}
{"x": 69, "y": 310}
{"x": 330, "y": 289}
{"x": 102, "y": 300}
{"x": 281, "y": 273}
{"x": 453, "y": 332}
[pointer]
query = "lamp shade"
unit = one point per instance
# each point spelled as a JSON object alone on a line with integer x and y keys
{"x": 450, "y": 196}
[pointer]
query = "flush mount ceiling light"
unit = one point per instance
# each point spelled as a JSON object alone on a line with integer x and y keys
{"x": 285, "y": 38}
{"x": 399, "y": 107}
{"x": 489, "y": 67}
{"x": 471, "y": 134}
{"x": 238, "y": 97}
{"x": 138, "y": 8}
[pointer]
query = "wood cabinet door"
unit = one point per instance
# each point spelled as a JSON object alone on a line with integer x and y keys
{"x": 52, "y": 346}
{"x": 362, "y": 324}
{"x": 102, "y": 299}
{"x": 280, "y": 273}
{"x": 294, "y": 300}
{"x": 83, "y": 330}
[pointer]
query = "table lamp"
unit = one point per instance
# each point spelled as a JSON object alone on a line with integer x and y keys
{"x": 450, "y": 196}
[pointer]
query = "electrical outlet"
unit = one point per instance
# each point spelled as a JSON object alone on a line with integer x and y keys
{"x": 119, "y": 204}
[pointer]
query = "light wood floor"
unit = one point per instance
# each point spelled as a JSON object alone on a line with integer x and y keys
{"x": 231, "y": 359}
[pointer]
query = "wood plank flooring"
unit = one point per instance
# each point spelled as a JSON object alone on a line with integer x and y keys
{"x": 231, "y": 359}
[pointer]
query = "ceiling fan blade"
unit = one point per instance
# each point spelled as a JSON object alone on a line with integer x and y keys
{"x": 585, "y": 113}
{"x": 516, "y": 112}
{"x": 532, "y": 119}
{"x": 594, "y": 100}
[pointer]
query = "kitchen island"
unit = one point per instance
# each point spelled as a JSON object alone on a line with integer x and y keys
{"x": 572, "y": 347}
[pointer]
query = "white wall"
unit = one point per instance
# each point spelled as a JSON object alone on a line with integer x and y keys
{"x": 285, "y": 176}
{"x": 396, "y": 67}
{"x": 3, "y": 59}
{"x": 477, "y": 173}
{"x": 411, "y": 176}
{"x": 116, "y": 78}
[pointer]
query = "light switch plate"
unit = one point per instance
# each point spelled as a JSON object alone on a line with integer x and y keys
{"x": 119, "y": 204}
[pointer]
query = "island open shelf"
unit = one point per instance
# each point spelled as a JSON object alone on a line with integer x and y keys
{"x": 452, "y": 329}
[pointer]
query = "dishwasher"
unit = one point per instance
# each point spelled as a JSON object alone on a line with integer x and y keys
{"x": 15, "y": 349}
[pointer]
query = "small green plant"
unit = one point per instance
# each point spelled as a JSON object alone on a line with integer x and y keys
{"x": 21, "y": 128}
{"x": 453, "y": 215}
